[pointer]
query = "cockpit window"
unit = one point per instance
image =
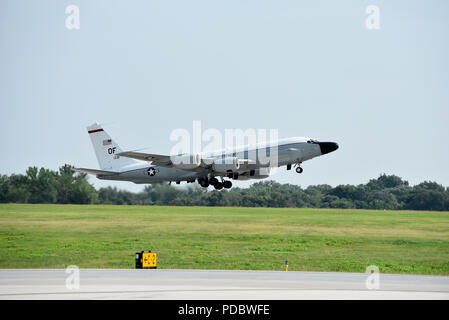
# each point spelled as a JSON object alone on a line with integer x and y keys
{"x": 312, "y": 141}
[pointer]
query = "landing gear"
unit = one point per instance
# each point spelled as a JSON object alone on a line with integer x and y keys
{"x": 213, "y": 181}
{"x": 204, "y": 182}
{"x": 227, "y": 184}
{"x": 299, "y": 170}
{"x": 289, "y": 166}
{"x": 218, "y": 186}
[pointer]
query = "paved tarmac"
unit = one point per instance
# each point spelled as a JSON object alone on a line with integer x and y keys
{"x": 214, "y": 284}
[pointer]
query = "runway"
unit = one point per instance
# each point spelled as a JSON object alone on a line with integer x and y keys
{"x": 214, "y": 284}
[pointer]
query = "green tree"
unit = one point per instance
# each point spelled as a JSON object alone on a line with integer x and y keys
{"x": 73, "y": 187}
{"x": 386, "y": 181}
{"x": 4, "y": 188}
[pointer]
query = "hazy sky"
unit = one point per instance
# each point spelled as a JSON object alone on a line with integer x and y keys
{"x": 148, "y": 67}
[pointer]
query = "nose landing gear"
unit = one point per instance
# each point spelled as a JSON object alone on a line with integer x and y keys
{"x": 298, "y": 167}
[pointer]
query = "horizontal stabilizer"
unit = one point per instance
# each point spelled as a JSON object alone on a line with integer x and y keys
{"x": 96, "y": 172}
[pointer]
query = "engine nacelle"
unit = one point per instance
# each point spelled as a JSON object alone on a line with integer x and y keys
{"x": 186, "y": 161}
{"x": 226, "y": 165}
{"x": 261, "y": 173}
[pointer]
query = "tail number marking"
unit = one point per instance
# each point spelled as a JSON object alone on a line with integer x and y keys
{"x": 111, "y": 150}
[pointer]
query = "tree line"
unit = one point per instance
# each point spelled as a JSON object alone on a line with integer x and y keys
{"x": 65, "y": 186}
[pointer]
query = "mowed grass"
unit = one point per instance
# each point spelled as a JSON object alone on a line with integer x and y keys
{"x": 93, "y": 236}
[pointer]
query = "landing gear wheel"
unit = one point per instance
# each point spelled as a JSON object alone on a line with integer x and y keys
{"x": 203, "y": 182}
{"x": 299, "y": 170}
{"x": 227, "y": 184}
{"x": 218, "y": 186}
{"x": 213, "y": 181}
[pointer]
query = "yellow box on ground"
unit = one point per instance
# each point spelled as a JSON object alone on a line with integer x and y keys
{"x": 149, "y": 259}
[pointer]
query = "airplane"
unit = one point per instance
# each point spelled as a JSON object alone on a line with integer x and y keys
{"x": 213, "y": 168}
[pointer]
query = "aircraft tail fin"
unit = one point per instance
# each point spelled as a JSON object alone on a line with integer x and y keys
{"x": 106, "y": 149}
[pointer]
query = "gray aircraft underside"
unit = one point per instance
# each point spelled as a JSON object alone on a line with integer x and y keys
{"x": 291, "y": 153}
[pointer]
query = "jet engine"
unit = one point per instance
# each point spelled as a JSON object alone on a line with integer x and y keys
{"x": 226, "y": 164}
{"x": 261, "y": 173}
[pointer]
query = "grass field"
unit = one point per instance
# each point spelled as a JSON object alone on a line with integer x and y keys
{"x": 55, "y": 236}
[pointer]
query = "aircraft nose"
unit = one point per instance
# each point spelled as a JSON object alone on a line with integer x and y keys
{"x": 327, "y": 147}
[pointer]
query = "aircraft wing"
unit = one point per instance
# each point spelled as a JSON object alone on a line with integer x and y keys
{"x": 96, "y": 172}
{"x": 156, "y": 159}
{"x": 165, "y": 161}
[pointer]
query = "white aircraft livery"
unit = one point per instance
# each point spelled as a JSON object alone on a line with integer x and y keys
{"x": 212, "y": 168}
